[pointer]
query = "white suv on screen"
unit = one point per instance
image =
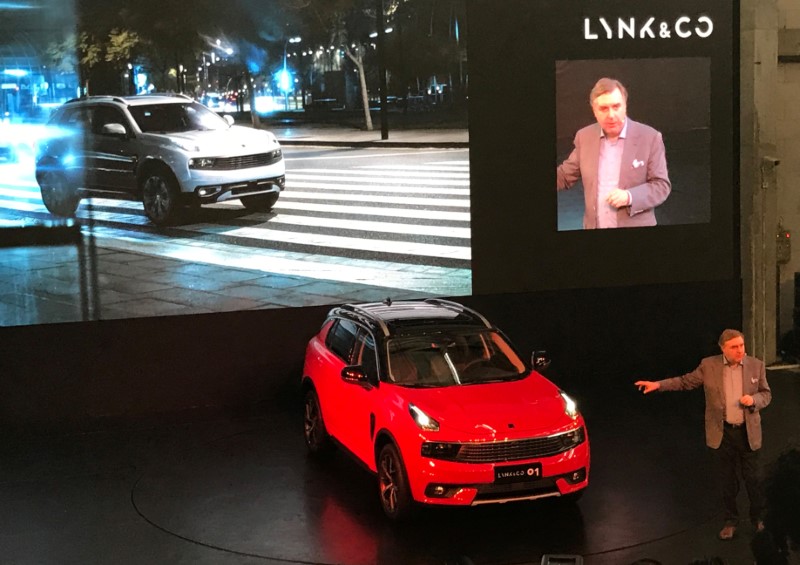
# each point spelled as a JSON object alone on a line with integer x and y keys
{"x": 168, "y": 151}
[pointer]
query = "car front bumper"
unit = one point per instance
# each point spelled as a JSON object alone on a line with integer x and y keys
{"x": 210, "y": 193}
{"x": 451, "y": 483}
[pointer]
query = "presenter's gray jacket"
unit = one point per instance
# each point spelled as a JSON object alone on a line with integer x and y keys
{"x": 709, "y": 375}
{"x": 643, "y": 173}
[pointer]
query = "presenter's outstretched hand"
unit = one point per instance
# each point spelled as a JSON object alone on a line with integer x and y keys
{"x": 647, "y": 386}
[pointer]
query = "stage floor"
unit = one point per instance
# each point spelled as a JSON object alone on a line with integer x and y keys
{"x": 232, "y": 488}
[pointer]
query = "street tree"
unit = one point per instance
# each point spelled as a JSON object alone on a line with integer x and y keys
{"x": 119, "y": 51}
{"x": 81, "y": 50}
{"x": 428, "y": 41}
{"x": 347, "y": 25}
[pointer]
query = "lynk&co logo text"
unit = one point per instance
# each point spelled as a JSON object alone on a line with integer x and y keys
{"x": 683, "y": 27}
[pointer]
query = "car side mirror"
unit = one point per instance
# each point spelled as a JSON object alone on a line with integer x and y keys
{"x": 228, "y": 118}
{"x": 539, "y": 360}
{"x": 356, "y": 375}
{"x": 116, "y": 130}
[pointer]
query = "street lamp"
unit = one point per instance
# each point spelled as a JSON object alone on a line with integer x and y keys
{"x": 285, "y": 81}
{"x": 381, "y": 23}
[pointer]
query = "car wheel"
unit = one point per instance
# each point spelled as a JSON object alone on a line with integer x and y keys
{"x": 316, "y": 435}
{"x": 261, "y": 202}
{"x": 161, "y": 198}
{"x": 393, "y": 484}
{"x": 60, "y": 197}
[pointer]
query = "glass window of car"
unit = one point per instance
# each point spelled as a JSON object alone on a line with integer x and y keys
{"x": 75, "y": 117}
{"x": 173, "y": 117}
{"x": 453, "y": 359}
{"x": 341, "y": 339}
{"x": 365, "y": 354}
{"x": 103, "y": 115}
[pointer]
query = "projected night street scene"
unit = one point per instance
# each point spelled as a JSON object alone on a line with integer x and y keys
{"x": 152, "y": 211}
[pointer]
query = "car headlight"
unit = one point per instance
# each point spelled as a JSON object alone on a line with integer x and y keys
{"x": 570, "y": 406}
{"x": 202, "y": 163}
{"x": 422, "y": 420}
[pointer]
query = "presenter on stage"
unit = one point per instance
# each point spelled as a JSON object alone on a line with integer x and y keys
{"x": 621, "y": 163}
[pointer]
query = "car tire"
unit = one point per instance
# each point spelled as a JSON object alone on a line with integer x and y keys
{"x": 59, "y": 195}
{"x": 395, "y": 494}
{"x": 260, "y": 202}
{"x": 318, "y": 441}
{"x": 161, "y": 197}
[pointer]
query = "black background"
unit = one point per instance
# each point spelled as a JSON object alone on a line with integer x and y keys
{"x": 514, "y": 47}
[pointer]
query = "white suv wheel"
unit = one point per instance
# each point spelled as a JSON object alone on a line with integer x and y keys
{"x": 160, "y": 198}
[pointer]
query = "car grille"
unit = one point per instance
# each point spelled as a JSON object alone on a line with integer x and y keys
{"x": 246, "y": 161}
{"x": 502, "y": 451}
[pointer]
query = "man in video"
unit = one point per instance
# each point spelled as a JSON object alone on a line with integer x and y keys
{"x": 621, "y": 163}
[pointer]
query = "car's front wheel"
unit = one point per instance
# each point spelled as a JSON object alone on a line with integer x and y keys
{"x": 260, "y": 202}
{"x": 316, "y": 435}
{"x": 161, "y": 198}
{"x": 393, "y": 484}
{"x": 60, "y": 197}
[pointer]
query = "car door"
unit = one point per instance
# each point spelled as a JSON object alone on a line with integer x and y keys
{"x": 114, "y": 155}
{"x": 69, "y": 146}
{"x": 358, "y": 400}
{"x": 331, "y": 389}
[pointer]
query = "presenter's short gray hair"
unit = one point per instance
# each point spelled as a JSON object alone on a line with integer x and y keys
{"x": 728, "y": 335}
{"x": 606, "y": 85}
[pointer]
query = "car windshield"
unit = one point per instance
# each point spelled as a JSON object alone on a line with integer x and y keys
{"x": 447, "y": 359}
{"x": 172, "y": 118}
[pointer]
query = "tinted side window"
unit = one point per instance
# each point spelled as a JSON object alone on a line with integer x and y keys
{"x": 365, "y": 354}
{"x": 76, "y": 117}
{"x": 102, "y": 115}
{"x": 341, "y": 338}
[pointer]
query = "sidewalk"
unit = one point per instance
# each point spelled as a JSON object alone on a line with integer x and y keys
{"x": 347, "y": 136}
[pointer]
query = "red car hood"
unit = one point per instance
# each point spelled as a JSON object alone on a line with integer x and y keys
{"x": 494, "y": 410}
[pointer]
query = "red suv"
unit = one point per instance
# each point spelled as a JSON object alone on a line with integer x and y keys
{"x": 434, "y": 399}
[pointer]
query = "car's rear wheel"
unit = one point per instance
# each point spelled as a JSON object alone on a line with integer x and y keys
{"x": 393, "y": 484}
{"x": 316, "y": 435}
{"x": 161, "y": 198}
{"x": 260, "y": 202}
{"x": 60, "y": 197}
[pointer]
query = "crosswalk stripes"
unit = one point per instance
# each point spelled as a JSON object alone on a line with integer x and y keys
{"x": 403, "y": 218}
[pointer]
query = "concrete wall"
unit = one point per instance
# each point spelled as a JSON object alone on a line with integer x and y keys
{"x": 759, "y": 184}
{"x": 787, "y": 118}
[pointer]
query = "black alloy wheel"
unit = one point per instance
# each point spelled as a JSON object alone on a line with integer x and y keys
{"x": 161, "y": 198}
{"x": 393, "y": 484}
{"x": 316, "y": 435}
{"x": 59, "y": 196}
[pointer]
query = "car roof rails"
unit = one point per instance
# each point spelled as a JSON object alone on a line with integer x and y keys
{"x": 168, "y": 95}
{"x": 449, "y": 304}
{"x": 98, "y": 97}
{"x": 366, "y": 314}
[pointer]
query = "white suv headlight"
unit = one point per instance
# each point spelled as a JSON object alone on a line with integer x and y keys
{"x": 202, "y": 163}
